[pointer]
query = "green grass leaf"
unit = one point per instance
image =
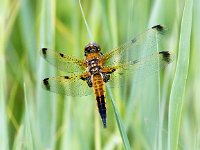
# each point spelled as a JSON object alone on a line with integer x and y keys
{"x": 179, "y": 83}
{"x": 119, "y": 121}
{"x": 4, "y": 139}
{"x": 45, "y": 101}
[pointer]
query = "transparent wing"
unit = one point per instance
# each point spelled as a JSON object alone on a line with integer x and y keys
{"x": 63, "y": 62}
{"x": 137, "y": 48}
{"x": 140, "y": 69}
{"x": 70, "y": 86}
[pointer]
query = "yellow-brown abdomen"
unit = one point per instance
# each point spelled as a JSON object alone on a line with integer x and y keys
{"x": 98, "y": 85}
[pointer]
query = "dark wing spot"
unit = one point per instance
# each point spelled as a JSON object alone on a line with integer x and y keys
{"x": 44, "y": 51}
{"x": 46, "y": 83}
{"x": 166, "y": 56}
{"x": 135, "y": 61}
{"x": 113, "y": 70}
{"x": 66, "y": 77}
{"x": 62, "y": 55}
{"x": 133, "y": 40}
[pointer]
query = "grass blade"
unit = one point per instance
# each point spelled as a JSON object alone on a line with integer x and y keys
{"x": 24, "y": 139}
{"x": 46, "y": 102}
{"x": 3, "y": 121}
{"x": 4, "y": 140}
{"x": 119, "y": 121}
{"x": 86, "y": 24}
{"x": 179, "y": 83}
{"x": 195, "y": 141}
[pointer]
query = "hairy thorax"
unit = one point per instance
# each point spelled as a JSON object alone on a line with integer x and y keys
{"x": 94, "y": 63}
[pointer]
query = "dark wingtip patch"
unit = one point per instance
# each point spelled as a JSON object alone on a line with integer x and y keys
{"x": 44, "y": 51}
{"x": 158, "y": 27}
{"x": 166, "y": 56}
{"x": 164, "y": 53}
{"x": 46, "y": 83}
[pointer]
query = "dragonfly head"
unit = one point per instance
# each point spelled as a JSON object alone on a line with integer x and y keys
{"x": 92, "y": 47}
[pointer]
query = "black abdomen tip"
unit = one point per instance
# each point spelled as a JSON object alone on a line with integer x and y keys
{"x": 104, "y": 123}
{"x": 102, "y": 108}
{"x": 158, "y": 27}
{"x": 103, "y": 117}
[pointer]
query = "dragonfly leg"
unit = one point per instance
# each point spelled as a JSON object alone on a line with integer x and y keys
{"x": 87, "y": 77}
{"x": 89, "y": 81}
{"x": 106, "y": 77}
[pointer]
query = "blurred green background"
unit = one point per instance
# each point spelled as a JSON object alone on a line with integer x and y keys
{"x": 156, "y": 114}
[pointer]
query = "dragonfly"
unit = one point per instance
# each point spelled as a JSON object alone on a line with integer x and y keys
{"x": 86, "y": 76}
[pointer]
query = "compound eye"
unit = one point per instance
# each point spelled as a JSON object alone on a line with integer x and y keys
{"x": 97, "y": 48}
{"x": 87, "y": 49}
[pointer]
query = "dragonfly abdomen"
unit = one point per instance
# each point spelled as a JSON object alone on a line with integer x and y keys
{"x": 98, "y": 85}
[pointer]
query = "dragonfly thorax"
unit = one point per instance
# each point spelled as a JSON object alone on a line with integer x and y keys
{"x": 94, "y": 70}
{"x": 93, "y": 62}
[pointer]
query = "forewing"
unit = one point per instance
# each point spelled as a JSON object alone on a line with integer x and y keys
{"x": 140, "y": 69}
{"x": 136, "y": 48}
{"x": 63, "y": 62}
{"x": 70, "y": 86}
